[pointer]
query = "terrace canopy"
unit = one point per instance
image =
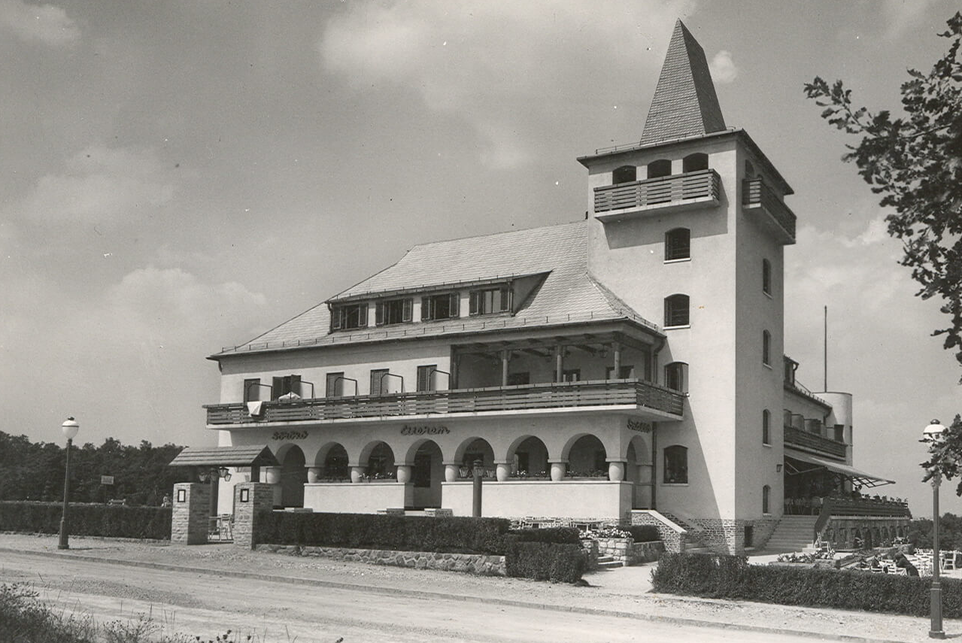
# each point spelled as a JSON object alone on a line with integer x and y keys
{"x": 860, "y": 477}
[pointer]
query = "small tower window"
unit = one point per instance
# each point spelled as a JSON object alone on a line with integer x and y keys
{"x": 766, "y": 499}
{"x": 695, "y": 162}
{"x": 676, "y": 310}
{"x": 766, "y": 427}
{"x": 659, "y": 168}
{"x": 675, "y": 376}
{"x": 766, "y": 277}
{"x": 678, "y": 244}
{"x": 624, "y": 174}
{"x": 676, "y": 465}
{"x": 766, "y": 348}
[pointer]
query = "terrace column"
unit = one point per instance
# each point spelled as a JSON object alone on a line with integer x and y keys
{"x": 616, "y": 470}
{"x": 616, "y": 365}
{"x": 450, "y": 471}
{"x": 505, "y": 360}
{"x": 313, "y": 474}
{"x": 357, "y": 473}
{"x": 558, "y": 470}
{"x": 503, "y": 470}
{"x": 403, "y": 473}
{"x": 559, "y": 362}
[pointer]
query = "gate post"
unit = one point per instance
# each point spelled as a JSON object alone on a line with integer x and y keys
{"x": 190, "y": 514}
{"x": 251, "y": 500}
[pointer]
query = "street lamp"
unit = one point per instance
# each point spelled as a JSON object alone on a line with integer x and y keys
{"x": 933, "y": 434}
{"x": 69, "y": 428}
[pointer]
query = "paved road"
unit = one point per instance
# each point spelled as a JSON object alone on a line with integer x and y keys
{"x": 275, "y": 611}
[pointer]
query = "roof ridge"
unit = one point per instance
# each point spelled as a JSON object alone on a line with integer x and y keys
{"x": 495, "y": 234}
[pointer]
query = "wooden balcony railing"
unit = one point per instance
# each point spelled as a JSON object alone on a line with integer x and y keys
{"x": 839, "y": 507}
{"x": 755, "y": 194}
{"x": 479, "y": 400}
{"x": 814, "y": 443}
{"x": 661, "y": 192}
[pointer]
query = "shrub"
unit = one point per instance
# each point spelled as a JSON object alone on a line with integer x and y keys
{"x": 115, "y": 521}
{"x": 643, "y": 533}
{"x": 558, "y": 562}
{"x": 569, "y": 535}
{"x": 731, "y": 577}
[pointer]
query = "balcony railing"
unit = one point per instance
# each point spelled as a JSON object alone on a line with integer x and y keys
{"x": 478, "y": 400}
{"x": 839, "y": 507}
{"x": 755, "y": 194}
{"x": 811, "y": 442}
{"x": 666, "y": 191}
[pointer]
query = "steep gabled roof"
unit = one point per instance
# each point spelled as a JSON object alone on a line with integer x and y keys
{"x": 566, "y": 294}
{"x": 684, "y": 103}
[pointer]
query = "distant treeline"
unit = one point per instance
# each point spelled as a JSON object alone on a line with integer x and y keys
{"x": 34, "y": 471}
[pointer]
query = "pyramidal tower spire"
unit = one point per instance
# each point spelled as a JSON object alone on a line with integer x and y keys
{"x": 685, "y": 103}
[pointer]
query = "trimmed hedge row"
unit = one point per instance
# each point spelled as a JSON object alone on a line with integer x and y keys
{"x": 643, "y": 533}
{"x": 87, "y": 519}
{"x": 542, "y": 554}
{"x": 731, "y": 577}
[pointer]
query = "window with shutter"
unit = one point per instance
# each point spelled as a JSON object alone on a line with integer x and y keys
{"x": 394, "y": 311}
{"x": 491, "y": 301}
{"x": 349, "y": 316}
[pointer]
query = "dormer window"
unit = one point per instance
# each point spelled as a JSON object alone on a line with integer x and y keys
{"x": 444, "y": 306}
{"x": 659, "y": 168}
{"x": 694, "y": 162}
{"x": 490, "y": 301}
{"x": 394, "y": 311}
{"x": 624, "y": 174}
{"x": 349, "y": 316}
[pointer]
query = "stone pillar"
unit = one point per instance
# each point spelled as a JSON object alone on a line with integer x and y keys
{"x": 403, "y": 473}
{"x": 558, "y": 470}
{"x": 251, "y": 499}
{"x": 190, "y": 514}
{"x": 450, "y": 472}
{"x": 616, "y": 470}
{"x": 313, "y": 474}
{"x": 503, "y": 470}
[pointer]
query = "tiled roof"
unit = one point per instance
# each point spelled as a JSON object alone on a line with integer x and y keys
{"x": 567, "y": 294}
{"x": 685, "y": 103}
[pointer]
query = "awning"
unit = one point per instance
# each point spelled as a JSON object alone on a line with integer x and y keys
{"x": 862, "y": 478}
{"x": 254, "y": 456}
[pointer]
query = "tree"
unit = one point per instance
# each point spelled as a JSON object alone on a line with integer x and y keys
{"x": 945, "y": 455}
{"x": 915, "y": 163}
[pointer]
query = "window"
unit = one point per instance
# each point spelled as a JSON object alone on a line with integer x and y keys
{"x": 766, "y": 497}
{"x": 335, "y": 385}
{"x": 440, "y": 306}
{"x": 766, "y": 277}
{"x": 839, "y": 432}
{"x": 519, "y": 379}
{"x": 695, "y": 162}
{"x": 766, "y": 348}
{"x": 676, "y": 310}
{"x": 349, "y": 316}
{"x": 426, "y": 377}
{"x": 624, "y": 373}
{"x": 678, "y": 244}
{"x": 766, "y": 427}
{"x": 676, "y": 465}
{"x": 659, "y": 168}
{"x": 394, "y": 311}
{"x": 379, "y": 384}
{"x": 490, "y": 301}
{"x": 675, "y": 376}
{"x": 286, "y": 384}
{"x": 624, "y": 174}
{"x": 252, "y": 389}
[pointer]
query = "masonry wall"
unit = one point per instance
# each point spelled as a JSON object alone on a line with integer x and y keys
{"x": 190, "y": 515}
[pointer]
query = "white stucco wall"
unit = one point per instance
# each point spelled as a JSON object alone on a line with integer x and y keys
{"x": 515, "y": 498}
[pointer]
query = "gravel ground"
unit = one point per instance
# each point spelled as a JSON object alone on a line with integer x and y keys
{"x": 623, "y": 591}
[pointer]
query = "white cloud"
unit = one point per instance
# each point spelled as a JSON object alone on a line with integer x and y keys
{"x": 44, "y": 23}
{"x": 102, "y": 184}
{"x": 722, "y": 67}
{"x": 452, "y": 56}
{"x": 901, "y": 15}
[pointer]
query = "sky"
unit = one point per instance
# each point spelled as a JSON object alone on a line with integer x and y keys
{"x": 177, "y": 177}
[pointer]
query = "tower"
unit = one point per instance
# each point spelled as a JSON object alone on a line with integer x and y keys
{"x": 688, "y": 227}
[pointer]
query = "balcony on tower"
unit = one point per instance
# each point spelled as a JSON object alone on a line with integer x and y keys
{"x": 698, "y": 188}
{"x": 759, "y": 197}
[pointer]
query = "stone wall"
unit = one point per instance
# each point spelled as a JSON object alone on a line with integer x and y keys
{"x": 628, "y": 552}
{"x": 674, "y": 540}
{"x": 468, "y": 563}
{"x": 841, "y": 531}
{"x": 727, "y": 536}
{"x": 190, "y": 514}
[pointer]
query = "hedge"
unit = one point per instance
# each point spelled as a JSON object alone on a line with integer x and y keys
{"x": 558, "y": 562}
{"x": 643, "y": 533}
{"x": 731, "y": 577}
{"x": 86, "y": 519}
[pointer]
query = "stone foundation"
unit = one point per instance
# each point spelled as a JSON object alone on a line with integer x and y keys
{"x": 841, "y": 531}
{"x": 727, "y": 535}
{"x": 466, "y": 563}
{"x": 674, "y": 539}
{"x": 628, "y": 552}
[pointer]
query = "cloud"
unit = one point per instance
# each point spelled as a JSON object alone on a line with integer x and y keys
{"x": 452, "y": 55}
{"x": 902, "y": 15}
{"x": 102, "y": 184}
{"x": 722, "y": 67}
{"x": 44, "y": 23}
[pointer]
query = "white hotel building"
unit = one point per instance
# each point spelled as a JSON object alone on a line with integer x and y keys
{"x": 630, "y": 361}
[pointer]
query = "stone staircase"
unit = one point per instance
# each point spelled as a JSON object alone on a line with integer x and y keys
{"x": 608, "y": 562}
{"x": 793, "y": 533}
{"x": 695, "y": 543}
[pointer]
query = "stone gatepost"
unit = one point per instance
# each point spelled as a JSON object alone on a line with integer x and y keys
{"x": 190, "y": 516}
{"x": 250, "y": 499}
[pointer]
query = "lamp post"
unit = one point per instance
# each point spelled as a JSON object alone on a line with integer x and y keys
{"x": 933, "y": 434}
{"x": 69, "y": 428}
